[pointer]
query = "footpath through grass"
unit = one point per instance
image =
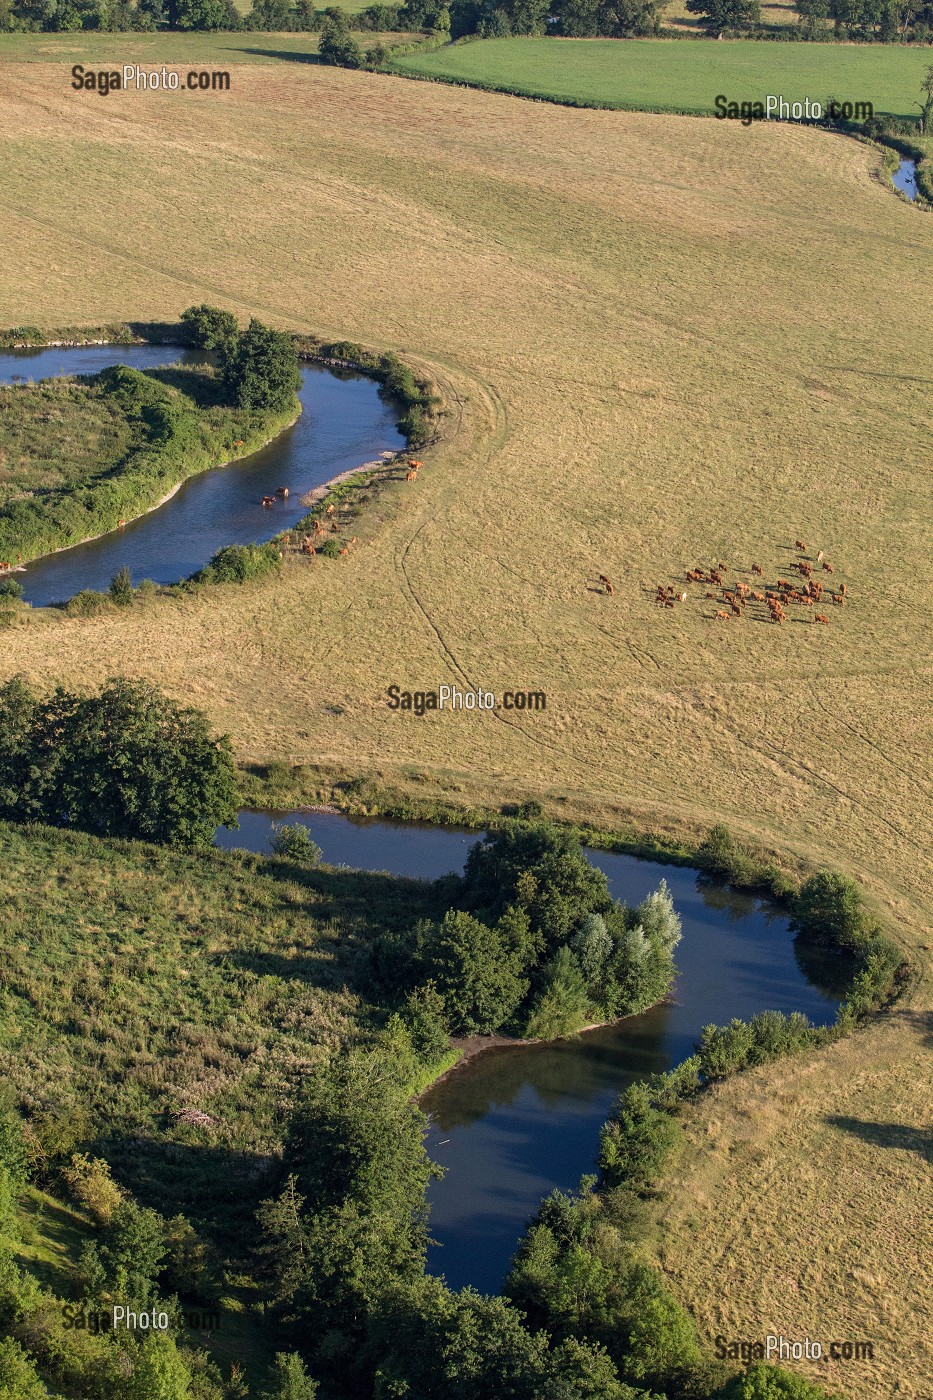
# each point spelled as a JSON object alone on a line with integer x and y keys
{"x": 658, "y": 75}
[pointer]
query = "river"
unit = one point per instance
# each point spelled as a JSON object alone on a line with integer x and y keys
{"x": 344, "y": 422}
{"x": 514, "y": 1123}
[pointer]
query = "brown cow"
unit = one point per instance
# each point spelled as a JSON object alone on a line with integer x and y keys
{"x": 345, "y": 549}
{"x": 330, "y": 510}
{"x": 412, "y": 475}
{"x": 282, "y": 492}
{"x": 838, "y": 600}
{"x": 267, "y": 502}
{"x": 843, "y": 590}
{"x": 827, "y": 567}
{"x": 758, "y": 597}
{"x": 757, "y": 569}
{"x": 818, "y": 617}
{"x": 736, "y": 610}
{"x": 318, "y": 528}
{"x": 723, "y": 615}
{"x": 801, "y": 546}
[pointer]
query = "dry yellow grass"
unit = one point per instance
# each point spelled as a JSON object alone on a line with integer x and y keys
{"x": 663, "y": 342}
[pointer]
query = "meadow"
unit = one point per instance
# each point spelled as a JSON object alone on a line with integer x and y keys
{"x": 656, "y": 75}
{"x": 661, "y": 343}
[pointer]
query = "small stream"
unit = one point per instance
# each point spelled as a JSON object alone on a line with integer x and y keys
{"x": 344, "y": 422}
{"x": 513, "y": 1123}
{"x": 905, "y": 177}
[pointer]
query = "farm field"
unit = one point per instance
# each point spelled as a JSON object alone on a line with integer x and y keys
{"x": 658, "y": 75}
{"x": 92, "y": 47}
{"x": 661, "y": 342}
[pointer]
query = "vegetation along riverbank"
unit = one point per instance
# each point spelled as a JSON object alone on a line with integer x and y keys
{"x": 263, "y": 1133}
{"x": 83, "y": 456}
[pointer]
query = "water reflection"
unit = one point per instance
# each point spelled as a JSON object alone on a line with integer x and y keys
{"x": 516, "y": 1122}
{"x": 344, "y": 423}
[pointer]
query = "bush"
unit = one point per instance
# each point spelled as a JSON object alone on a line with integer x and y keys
{"x": 88, "y": 603}
{"x": 337, "y": 45}
{"x": 121, "y": 588}
{"x": 293, "y": 841}
{"x": 89, "y": 1181}
{"x": 240, "y": 563}
{"x": 260, "y": 369}
{"x": 476, "y": 973}
{"x": 425, "y": 1020}
{"x": 330, "y": 549}
{"x": 125, "y": 762}
{"x": 829, "y": 910}
{"x": 636, "y": 1141}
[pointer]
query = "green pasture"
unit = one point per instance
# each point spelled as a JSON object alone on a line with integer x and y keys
{"x": 680, "y": 76}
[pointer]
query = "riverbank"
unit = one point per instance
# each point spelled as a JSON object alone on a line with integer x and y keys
{"x": 121, "y": 443}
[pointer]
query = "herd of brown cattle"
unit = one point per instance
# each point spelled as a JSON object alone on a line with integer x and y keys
{"x": 781, "y": 595}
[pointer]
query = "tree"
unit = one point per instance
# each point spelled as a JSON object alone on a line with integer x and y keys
{"x": 18, "y": 1377}
{"x": 290, "y": 1380}
{"x": 121, "y": 588}
{"x": 476, "y": 974}
{"x": 634, "y": 1144}
{"x": 293, "y": 842}
{"x": 126, "y": 762}
{"x": 352, "y": 1220}
{"x": 204, "y": 15}
{"x": 424, "y": 1017}
{"x": 541, "y": 869}
{"x": 159, "y": 1373}
{"x": 130, "y": 1251}
{"x": 763, "y": 1382}
{"x": 209, "y": 327}
{"x": 11, "y": 590}
{"x": 726, "y": 14}
{"x": 261, "y": 369}
{"x": 829, "y": 909}
{"x": 337, "y": 45}
{"x": 926, "y": 106}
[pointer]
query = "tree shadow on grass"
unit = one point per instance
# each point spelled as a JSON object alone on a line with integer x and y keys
{"x": 286, "y": 55}
{"x": 919, "y": 1140}
{"x": 211, "y": 1184}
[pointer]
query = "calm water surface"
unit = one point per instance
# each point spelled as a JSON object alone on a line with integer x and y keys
{"x": 905, "y": 178}
{"x": 515, "y": 1123}
{"x": 344, "y": 423}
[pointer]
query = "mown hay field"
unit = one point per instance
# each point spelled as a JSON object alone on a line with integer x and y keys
{"x": 657, "y": 75}
{"x": 662, "y": 342}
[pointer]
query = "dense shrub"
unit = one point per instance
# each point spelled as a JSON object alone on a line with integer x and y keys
{"x": 125, "y": 762}
{"x": 121, "y": 588}
{"x": 293, "y": 841}
{"x": 209, "y": 327}
{"x": 240, "y": 563}
{"x": 337, "y": 45}
{"x": 636, "y": 1140}
{"x": 260, "y": 369}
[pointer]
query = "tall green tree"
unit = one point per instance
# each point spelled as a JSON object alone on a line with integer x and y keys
{"x": 726, "y": 14}
{"x": 125, "y": 762}
{"x": 261, "y": 368}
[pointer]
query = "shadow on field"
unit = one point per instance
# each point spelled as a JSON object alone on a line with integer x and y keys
{"x": 919, "y": 1140}
{"x": 286, "y": 55}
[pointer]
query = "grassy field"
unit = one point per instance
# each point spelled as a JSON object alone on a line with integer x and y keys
{"x": 660, "y": 76}
{"x": 53, "y": 435}
{"x": 94, "y": 48}
{"x": 77, "y": 457}
{"x": 661, "y": 342}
